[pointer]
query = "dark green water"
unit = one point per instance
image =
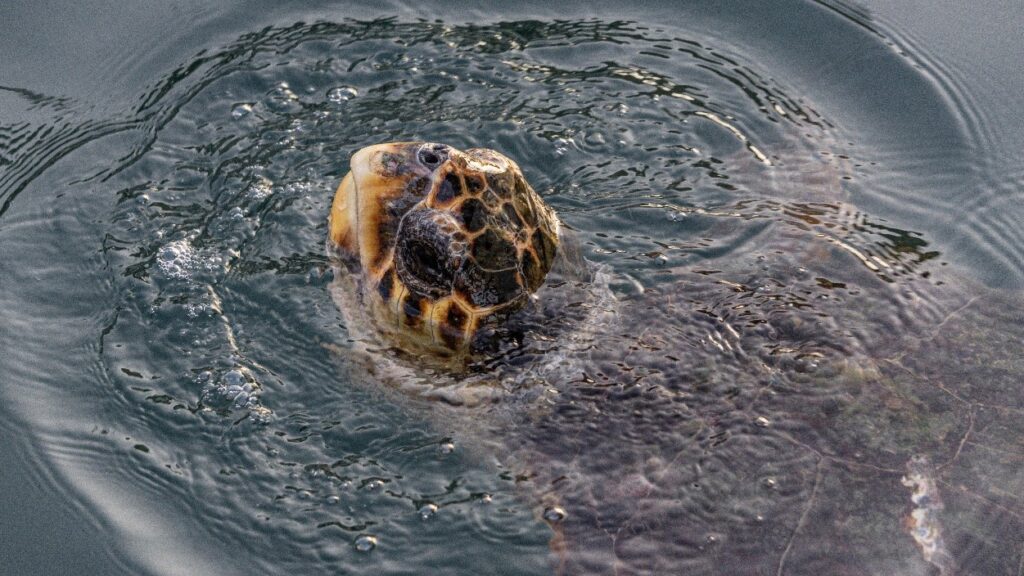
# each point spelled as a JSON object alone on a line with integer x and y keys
{"x": 806, "y": 359}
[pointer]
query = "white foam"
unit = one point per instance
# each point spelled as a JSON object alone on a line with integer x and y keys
{"x": 177, "y": 260}
{"x": 180, "y": 260}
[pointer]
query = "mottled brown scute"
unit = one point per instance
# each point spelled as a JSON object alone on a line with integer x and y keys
{"x": 486, "y": 289}
{"x": 491, "y": 199}
{"x": 387, "y": 224}
{"x": 453, "y": 338}
{"x": 533, "y": 274}
{"x": 418, "y": 186}
{"x": 493, "y": 251}
{"x": 514, "y": 222}
{"x": 456, "y": 317}
{"x": 501, "y": 184}
{"x": 521, "y": 188}
{"x": 449, "y": 189}
{"x": 413, "y": 307}
{"x": 474, "y": 215}
{"x": 386, "y": 286}
{"x": 524, "y": 207}
{"x": 474, "y": 183}
{"x": 543, "y": 245}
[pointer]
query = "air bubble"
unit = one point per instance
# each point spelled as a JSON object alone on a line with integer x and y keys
{"x": 365, "y": 543}
{"x": 284, "y": 90}
{"x": 554, "y": 514}
{"x": 562, "y": 145}
{"x": 234, "y": 379}
{"x": 241, "y": 110}
{"x": 341, "y": 94}
{"x": 428, "y": 511}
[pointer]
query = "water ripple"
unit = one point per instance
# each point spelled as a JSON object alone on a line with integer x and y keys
{"x": 763, "y": 410}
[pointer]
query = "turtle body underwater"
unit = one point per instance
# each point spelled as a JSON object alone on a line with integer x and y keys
{"x": 721, "y": 423}
{"x": 443, "y": 241}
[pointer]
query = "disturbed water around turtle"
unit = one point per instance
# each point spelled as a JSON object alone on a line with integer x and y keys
{"x": 798, "y": 357}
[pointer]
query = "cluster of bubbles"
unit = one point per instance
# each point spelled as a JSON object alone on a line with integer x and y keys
{"x": 235, "y": 389}
{"x": 179, "y": 259}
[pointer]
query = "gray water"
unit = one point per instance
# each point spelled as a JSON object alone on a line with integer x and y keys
{"x": 805, "y": 359}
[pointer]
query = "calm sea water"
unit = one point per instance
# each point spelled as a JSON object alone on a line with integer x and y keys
{"x": 801, "y": 354}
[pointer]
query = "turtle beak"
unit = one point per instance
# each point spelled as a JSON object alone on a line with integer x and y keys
{"x": 378, "y": 175}
{"x": 341, "y": 221}
{"x": 344, "y": 227}
{"x": 362, "y": 161}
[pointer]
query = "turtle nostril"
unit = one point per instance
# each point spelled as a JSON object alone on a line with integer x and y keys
{"x": 432, "y": 156}
{"x": 429, "y": 158}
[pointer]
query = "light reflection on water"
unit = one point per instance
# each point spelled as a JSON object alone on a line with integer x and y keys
{"x": 781, "y": 354}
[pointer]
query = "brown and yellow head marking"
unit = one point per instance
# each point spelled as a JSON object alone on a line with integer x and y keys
{"x": 443, "y": 239}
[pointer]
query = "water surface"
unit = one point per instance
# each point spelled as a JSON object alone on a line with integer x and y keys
{"x": 803, "y": 361}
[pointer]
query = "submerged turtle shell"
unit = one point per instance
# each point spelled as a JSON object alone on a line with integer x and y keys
{"x": 755, "y": 417}
{"x": 442, "y": 240}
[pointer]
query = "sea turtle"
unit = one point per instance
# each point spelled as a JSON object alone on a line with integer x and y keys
{"x": 446, "y": 242}
{"x": 738, "y": 420}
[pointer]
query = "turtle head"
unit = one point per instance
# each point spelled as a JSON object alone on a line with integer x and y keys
{"x": 443, "y": 239}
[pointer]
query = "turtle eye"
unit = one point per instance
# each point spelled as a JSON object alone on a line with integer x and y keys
{"x": 432, "y": 156}
{"x": 427, "y": 253}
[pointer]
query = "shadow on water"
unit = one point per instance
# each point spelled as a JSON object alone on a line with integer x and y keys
{"x": 782, "y": 374}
